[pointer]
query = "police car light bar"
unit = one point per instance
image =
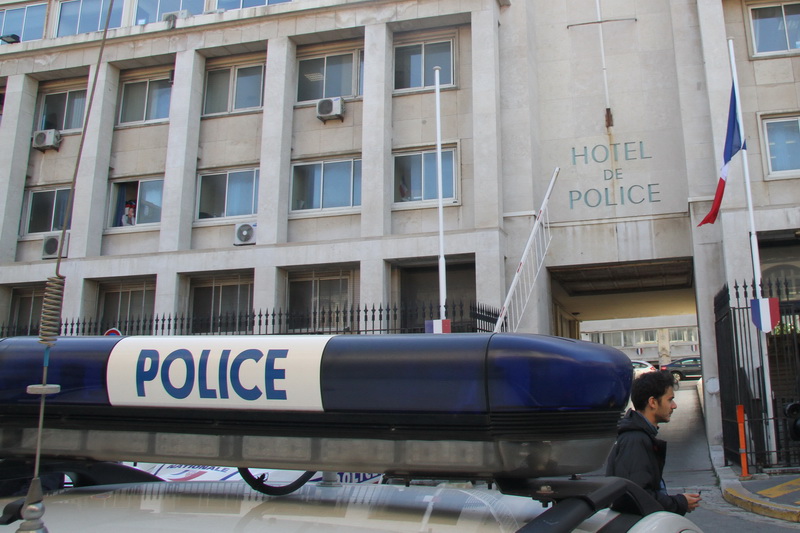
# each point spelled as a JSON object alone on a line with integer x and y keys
{"x": 482, "y": 405}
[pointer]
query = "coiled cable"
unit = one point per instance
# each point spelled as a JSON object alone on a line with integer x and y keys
{"x": 50, "y": 326}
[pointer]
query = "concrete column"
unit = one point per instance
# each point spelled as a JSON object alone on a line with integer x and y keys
{"x": 707, "y": 240}
{"x": 5, "y": 305}
{"x": 490, "y": 286}
{"x": 16, "y": 129}
{"x": 167, "y": 294}
{"x": 91, "y": 184}
{"x": 265, "y": 288}
{"x": 376, "y": 164}
{"x": 276, "y": 142}
{"x": 180, "y": 174}
{"x": 375, "y": 285}
{"x": 486, "y": 114}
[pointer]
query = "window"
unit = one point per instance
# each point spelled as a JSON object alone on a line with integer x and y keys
{"x": 26, "y": 311}
{"x": 26, "y": 22}
{"x": 776, "y": 28}
{"x": 82, "y": 16}
{"x": 2, "y": 102}
{"x": 637, "y": 337}
{"x": 228, "y": 194}
{"x": 145, "y": 100}
{"x": 46, "y": 210}
{"x": 687, "y": 334}
{"x": 136, "y": 202}
{"x": 326, "y": 185}
{"x": 786, "y": 276}
{"x": 415, "y": 176}
{"x": 612, "y": 338}
{"x": 222, "y": 303}
{"x": 234, "y": 89}
{"x": 63, "y": 111}
{"x": 413, "y": 64}
{"x": 318, "y": 300}
{"x": 783, "y": 143}
{"x": 329, "y": 76}
{"x": 127, "y": 305}
{"x": 239, "y": 4}
{"x": 148, "y": 11}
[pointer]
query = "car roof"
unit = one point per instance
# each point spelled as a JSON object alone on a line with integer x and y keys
{"x": 214, "y": 506}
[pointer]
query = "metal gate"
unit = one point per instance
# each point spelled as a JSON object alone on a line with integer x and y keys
{"x": 743, "y": 354}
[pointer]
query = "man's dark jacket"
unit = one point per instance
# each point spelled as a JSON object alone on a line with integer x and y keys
{"x": 639, "y": 456}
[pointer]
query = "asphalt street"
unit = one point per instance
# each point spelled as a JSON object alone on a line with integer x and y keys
{"x": 689, "y": 469}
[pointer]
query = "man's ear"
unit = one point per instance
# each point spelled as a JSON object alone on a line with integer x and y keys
{"x": 652, "y": 402}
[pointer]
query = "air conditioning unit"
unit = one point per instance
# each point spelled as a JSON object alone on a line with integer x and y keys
{"x": 244, "y": 233}
{"x": 46, "y": 139}
{"x": 50, "y": 245}
{"x": 330, "y": 108}
{"x": 173, "y": 15}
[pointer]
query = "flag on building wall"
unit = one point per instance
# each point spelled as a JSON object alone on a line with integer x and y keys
{"x": 733, "y": 143}
{"x": 766, "y": 313}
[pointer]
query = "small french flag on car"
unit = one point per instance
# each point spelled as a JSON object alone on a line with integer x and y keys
{"x": 766, "y": 313}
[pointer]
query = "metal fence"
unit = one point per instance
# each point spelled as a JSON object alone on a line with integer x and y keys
{"x": 375, "y": 319}
{"x": 743, "y": 356}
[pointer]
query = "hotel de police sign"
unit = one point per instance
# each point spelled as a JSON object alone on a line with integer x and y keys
{"x": 613, "y": 187}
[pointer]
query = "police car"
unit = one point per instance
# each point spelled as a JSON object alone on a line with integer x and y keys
{"x": 522, "y": 413}
{"x": 205, "y": 506}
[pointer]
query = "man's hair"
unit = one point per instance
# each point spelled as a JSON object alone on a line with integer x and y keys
{"x": 650, "y": 384}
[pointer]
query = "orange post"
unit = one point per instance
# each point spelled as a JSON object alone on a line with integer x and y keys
{"x": 742, "y": 442}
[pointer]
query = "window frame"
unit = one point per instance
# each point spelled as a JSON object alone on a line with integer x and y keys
{"x": 114, "y": 22}
{"x": 750, "y": 8}
{"x": 22, "y": 34}
{"x": 233, "y": 80}
{"x": 354, "y": 188}
{"x": 216, "y": 282}
{"x": 183, "y": 5}
{"x": 426, "y": 202}
{"x": 147, "y": 95}
{"x": 765, "y": 120}
{"x": 265, "y": 3}
{"x": 145, "y": 286}
{"x": 62, "y": 192}
{"x": 227, "y": 173}
{"x": 423, "y": 42}
{"x": 114, "y": 213}
{"x": 313, "y": 315}
{"x": 69, "y": 92}
{"x": 35, "y": 294}
{"x": 356, "y": 74}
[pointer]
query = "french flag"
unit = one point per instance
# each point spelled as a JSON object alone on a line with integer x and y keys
{"x": 437, "y": 326}
{"x": 733, "y": 143}
{"x": 766, "y": 313}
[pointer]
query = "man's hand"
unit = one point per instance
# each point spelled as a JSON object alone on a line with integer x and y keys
{"x": 693, "y": 500}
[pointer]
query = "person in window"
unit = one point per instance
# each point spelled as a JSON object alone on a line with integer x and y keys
{"x": 129, "y": 215}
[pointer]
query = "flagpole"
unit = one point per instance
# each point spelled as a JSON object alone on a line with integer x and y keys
{"x": 439, "y": 194}
{"x": 756, "y": 260}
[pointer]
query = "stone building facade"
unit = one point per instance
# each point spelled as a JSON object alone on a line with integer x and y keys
{"x": 249, "y": 194}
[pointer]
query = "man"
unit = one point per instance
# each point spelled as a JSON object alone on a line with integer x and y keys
{"x": 129, "y": 216}
{"x": 638, "y": 455}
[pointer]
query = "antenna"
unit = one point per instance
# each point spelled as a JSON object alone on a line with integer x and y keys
{"x": 33, "y": 508}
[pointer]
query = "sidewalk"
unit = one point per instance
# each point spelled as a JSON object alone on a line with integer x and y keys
{"x": 776, "y": 495}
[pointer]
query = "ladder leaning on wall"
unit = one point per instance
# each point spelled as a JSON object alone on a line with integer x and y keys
{"x": 530, "y": 265}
